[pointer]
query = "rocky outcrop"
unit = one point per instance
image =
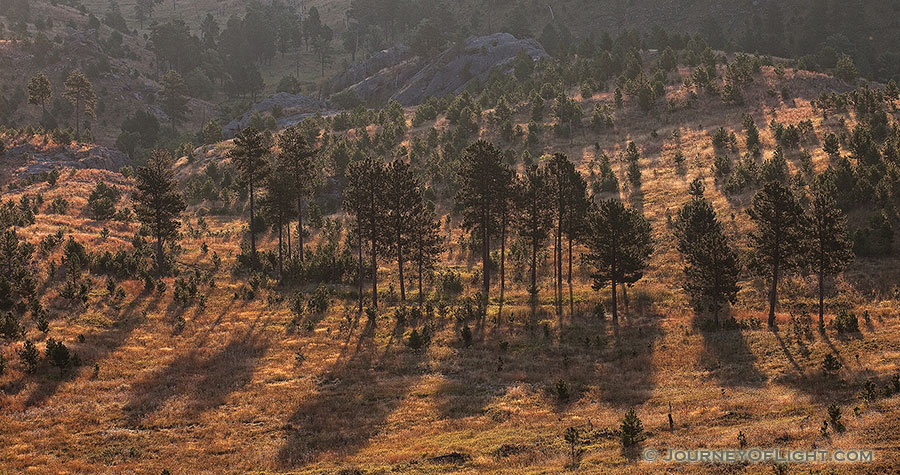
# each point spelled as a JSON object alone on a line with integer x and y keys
{"x": 410, "y": 80}
{"x": 293, "y": 109}
{"x": 26, "y": 159}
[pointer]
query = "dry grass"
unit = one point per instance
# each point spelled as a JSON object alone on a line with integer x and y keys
{"x": 225, "y": 393}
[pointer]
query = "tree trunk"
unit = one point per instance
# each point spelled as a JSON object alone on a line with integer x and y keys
{"x": 78, "y": 118}
{"x": 533, "y": 289}
{"x": 773, "y": 294}
{"x": 615, "y": 306}
{"x": 400, "y": 270}
{"x": 280, "y": 247}
{"x": 821, "y": 300}
{"x": 252, "y": 232}
{"x": 421, "y": 295}
{"x": 300, "y": 226}
{"x": 374, "y": 273}
{"x": 360, "y": 279}
{"x": 485, "y": 260}
{"x": 569, "y": 277}
{"x": 503, "y": 259}
{"x": 290, "y": 249}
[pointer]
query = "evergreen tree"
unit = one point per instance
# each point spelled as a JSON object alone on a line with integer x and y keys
{"x": 776, "y": 245}
{"x": 620, "y": 245}
{"x": 158, "y": 203}
{"x": 428, "y": 243}
{"x": 363, "y": 197}
{"x": 711, "y": 267}
{"x": 301, "y": 162}
{"x": 40, "y": 91}
{"x": 829, "y": 247}
{"x": 251, "y": 147}
{"x": 278, "y": 201}
{"x": 174, "y": 98}
{"x": 80, "y": 93}
{"x": 479, "y": 198}
{"x": 534, "y": 217}
{"x": 403, "y": 203}
{"x": 506, "y": 199}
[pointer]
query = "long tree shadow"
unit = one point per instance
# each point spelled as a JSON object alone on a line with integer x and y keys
{"x": 355, "y": 397}
{"x": 727, "y": 356}
{"x": 204, "y": 381}
{"x": 626, "y": 370}
{"x": 102, "y": 344}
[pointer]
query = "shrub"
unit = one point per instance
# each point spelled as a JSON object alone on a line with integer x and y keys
{"x": 561, "y": 389}
{"x": 102, "y": 201}
{"x": 846, "y": 322}
{"x": 573, "y": 438}
{"x": 830, "y": 364}
{"x": 834, "y": 417}
{"x": 466, "y": 336}
{"x": 29, "y": 355}
{"x": 631, "y": 430}
{"x": 10, "y": 327}
{"x": 58, "y": 354}
{"x": 418, "y": 340}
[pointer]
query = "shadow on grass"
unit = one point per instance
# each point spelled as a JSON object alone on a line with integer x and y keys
{"x": 354, "y": 399}
{"x": 204, "y": 382}
{"x": 102, "y": 344}
{"x": 727, "y": 356}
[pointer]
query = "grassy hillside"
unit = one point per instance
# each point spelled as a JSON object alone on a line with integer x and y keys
{"x": 231, "y": 378}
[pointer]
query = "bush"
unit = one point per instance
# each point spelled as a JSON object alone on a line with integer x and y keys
{"x": 102, "y": 201}
{"x": 58, "y": 354}
{"x": 631, "y": 430}
{"x": 10, "y": 327}
{"x": 846, "y": 322}
{"x": 29, "y": 355}
{"x": 830, "y": 364}
{"x": 834, "y": 417}
{"x": 466, "y": 336}
{"x": 418, "y": 340}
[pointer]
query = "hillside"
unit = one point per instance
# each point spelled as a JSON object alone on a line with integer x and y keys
{"x": 222, "y": 368}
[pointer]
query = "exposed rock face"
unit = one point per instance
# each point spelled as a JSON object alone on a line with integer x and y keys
{"x": 294, "y": 107}
{"x": 26, "y": 159}
{"x": 409, "y": 80}
{"x": 358, "y": 72}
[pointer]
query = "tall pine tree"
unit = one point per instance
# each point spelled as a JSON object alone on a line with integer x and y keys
{"x": 620, "y": 245}
{"x": 158, "y": 203}
{"x": 775, "y": 245}
{"x": 300, "y": 159}
{"x": 478, "y": 196}
{"x": 711, "y": 266}
{"x": 534, "y": 217}
{"x": 251, "y": 147}
{"x": 829, "y": 248}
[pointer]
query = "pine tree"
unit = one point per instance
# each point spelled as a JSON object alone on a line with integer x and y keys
{"x": 534, "y": 217}
{"x": 40, "y": 91}
{"x": 478, "y": 197}
{"x": 80, "y": 93}
{"x": 620, "y": 245}
{"x": 363, "y": 197}
{"x": 711, "y": 267}
{"x": 506, "y": 190}
{"x": 278, "y": 201}
{"x": 428, "y": 243}
{"x": 301, "y": 161}
{"x": 403, "y": 203}
{"x": 251, "y": 147}
{"x": 829, "y": 248}
{"x": 776, "y": 245}
{"x": 158, "y": 203}
{"x": 174, "y": 98}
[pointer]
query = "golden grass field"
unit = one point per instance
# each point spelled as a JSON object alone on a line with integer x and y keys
{"x": 225, "y": 393}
